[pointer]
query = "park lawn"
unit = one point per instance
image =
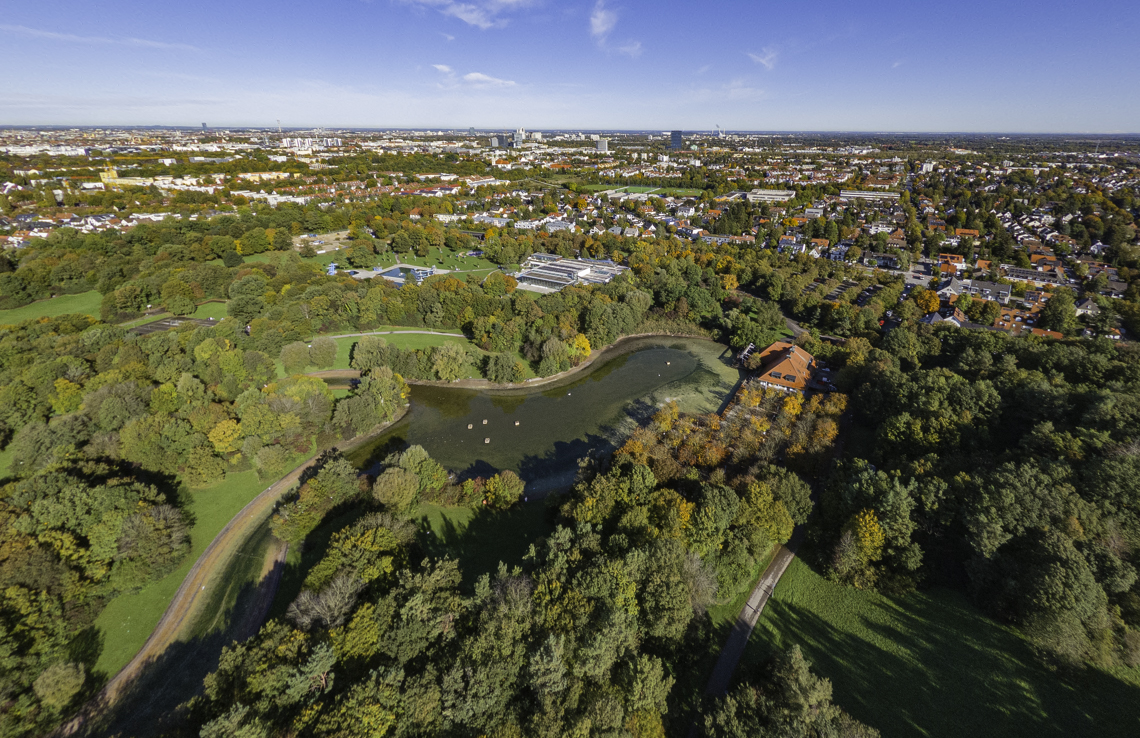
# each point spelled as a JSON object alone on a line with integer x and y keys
{"x": 207, "y": 310}
{"x": 128, "y": 619}
{"x": 402, "y": 339}
{"x": 84, "y": 303}
{"x": 932, "y": 664}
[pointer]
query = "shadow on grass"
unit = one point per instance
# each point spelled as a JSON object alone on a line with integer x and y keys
{"x": 149, "y": 704}
{"x": 488, "y": 536}
{"x": 932, "y": 664}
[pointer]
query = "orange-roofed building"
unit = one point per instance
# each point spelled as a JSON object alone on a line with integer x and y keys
{"x": 785, "y": 366}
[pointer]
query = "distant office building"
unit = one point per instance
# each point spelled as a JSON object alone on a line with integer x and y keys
{"x": 203, "y": 126}
{"x": 676, "y": 140}
{"x": 603, "y": 144}
{"x": 520, "y": 137}
{"x": 471, "y": 131}
{"x": 537, "y": 136}
{"x": 494, "y": 142}
{"x": 309, "y": 143}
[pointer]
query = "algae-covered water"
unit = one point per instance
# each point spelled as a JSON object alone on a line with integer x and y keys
{"x": 542, "y": 432}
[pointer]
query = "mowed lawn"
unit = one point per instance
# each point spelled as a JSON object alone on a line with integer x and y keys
{"x": 403, "y": 339}
{"x": 207, "y": 310}
{"x": 86, "y": 303}
{"x": 128, "y": 620}
{"x": 932, "y": 664}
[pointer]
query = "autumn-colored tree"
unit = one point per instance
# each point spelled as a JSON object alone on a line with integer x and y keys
{"x": 927, "y": 300}
{"x": 226, "y": 436}
{"x": 869, "y": 536}
{"x": 67, "y": 397}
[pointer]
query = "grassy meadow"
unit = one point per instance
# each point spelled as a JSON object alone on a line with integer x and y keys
{"x": 931, "y": 664}
{"x": 85, "y": 303}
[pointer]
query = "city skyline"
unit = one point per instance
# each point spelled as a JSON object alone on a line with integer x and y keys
{"x": 597, "y": 65}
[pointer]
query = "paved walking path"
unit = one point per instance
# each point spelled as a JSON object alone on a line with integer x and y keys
{"x": 733, "y": 649}
{"x": 171, "y": 626}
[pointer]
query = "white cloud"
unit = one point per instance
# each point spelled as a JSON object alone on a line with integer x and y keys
{"x": 482, "y": 14}
{"x": 478, "y": 79}
{"x": 633, "y": 48}
{"x": 602, "y": 21}
{"x": 767, "y": 58}
{"x": 443, "y": 68}
{"x": 101, "y": 40}
{"x": 447, "y": 36}
{"x": 897, "y": 64}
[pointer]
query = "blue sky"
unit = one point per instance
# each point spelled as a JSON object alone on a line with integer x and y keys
{"x": 879, "y": 65}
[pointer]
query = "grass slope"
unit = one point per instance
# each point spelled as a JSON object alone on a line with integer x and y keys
{"x": 128, "y": 620}
{"x": 404, "y": 340}
{"x": 931, "y": 664}
{"x": 86, "y": 303}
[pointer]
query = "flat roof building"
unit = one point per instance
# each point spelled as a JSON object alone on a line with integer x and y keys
{"x": 865, "y": 195}
{"x": 550, "y": 272}
{"x": 770, "y": 195}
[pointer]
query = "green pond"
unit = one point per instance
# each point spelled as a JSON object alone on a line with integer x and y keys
{"x": 542, "y": 432}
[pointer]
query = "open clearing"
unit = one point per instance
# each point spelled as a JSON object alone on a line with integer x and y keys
{"x": 932, "y": 664}
{"x": 129, "y": 619}
{"x": 85, "y": 303}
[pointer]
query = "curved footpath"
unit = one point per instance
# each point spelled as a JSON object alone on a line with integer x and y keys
{"x": 216, "y": 555}
{"x": 182, "y": 606}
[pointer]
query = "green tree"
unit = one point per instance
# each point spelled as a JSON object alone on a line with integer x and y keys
{"x": 1059, "y": 313}
{"x": 503, "y": 490}
{"x": 295, "y": 357}
{"x": 396, "y": 489}
{"x": 58, "y": 684}
{"x": 447, "y": 361}
{"x": 322, "y": 352}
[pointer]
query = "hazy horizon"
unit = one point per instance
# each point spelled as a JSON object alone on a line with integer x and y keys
{"x": 881, "y": 66}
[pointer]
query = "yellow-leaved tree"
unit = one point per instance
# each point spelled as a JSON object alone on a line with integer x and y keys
{"x": 869, "y": 536}
{"x": 226, "y": 436}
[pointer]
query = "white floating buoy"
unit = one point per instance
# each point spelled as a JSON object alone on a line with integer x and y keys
{"x": 667, "y": 363}
{"x": 516, "y": 422}
{"x": 486, "y": 440}
{"x": 470, "y": 426}
{"x": 484, "y": 421}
